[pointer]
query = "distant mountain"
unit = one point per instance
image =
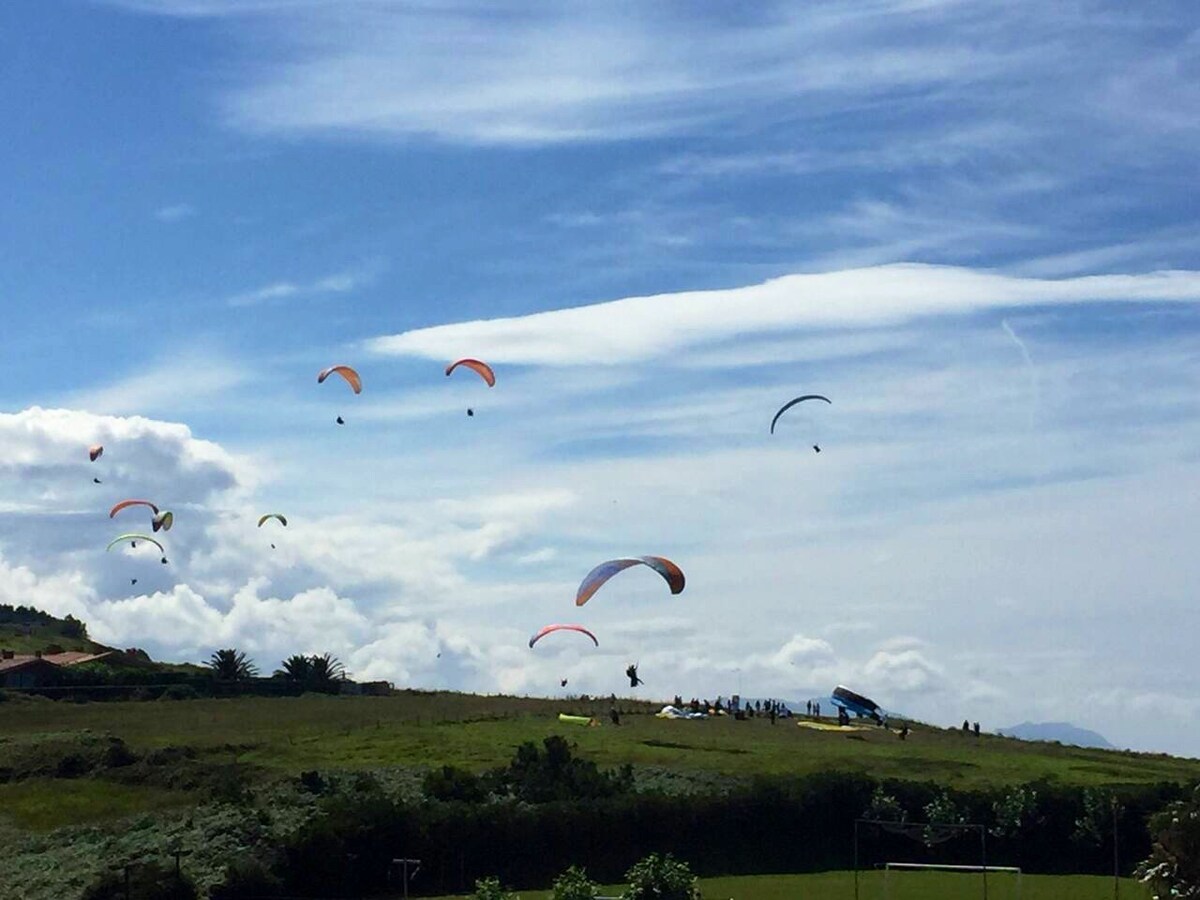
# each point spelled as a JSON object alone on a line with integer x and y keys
{"x": 1063, "y": 732}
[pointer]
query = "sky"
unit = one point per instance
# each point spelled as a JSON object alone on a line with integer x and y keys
{"x": 972, "y": 225}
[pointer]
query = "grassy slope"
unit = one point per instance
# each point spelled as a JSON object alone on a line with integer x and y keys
{"x": 926, "y": 886}
{"x": 419, "y": 729}
{"x": 13, "y": 638}
{"x": 79, "y": 802}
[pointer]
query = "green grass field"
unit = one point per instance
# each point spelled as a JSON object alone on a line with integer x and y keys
{"x": 69, "y": 805}
{"x": 918, "y": 886}
{"x": 476, "y": 732}
{"x": 79, "y": 802}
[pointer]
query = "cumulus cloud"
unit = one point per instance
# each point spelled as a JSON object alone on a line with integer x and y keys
{"x": 46, "y": 460}
{"x": 642, "y": 328}
{"x": 904, "y": 672}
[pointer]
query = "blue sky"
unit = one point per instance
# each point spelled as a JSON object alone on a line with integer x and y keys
{"x": 971, "y": 224}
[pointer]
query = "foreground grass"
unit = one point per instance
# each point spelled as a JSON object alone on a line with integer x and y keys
{"x": 923, "y": 885}
{"x": 41, "y": 805}
{"x": 289, "y": 735}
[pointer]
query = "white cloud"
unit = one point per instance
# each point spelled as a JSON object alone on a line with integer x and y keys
{"x": 642, "y": 328}
{"x": 903, "y": 672}
{"x": 591, "y": 72}
{"x": 336, "y": 283}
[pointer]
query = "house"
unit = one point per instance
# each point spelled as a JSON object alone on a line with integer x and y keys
{"x": 38, "y": 669}
{"x": 26, "y": 671}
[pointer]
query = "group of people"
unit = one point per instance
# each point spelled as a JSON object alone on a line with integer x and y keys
{"x": 772, "y": 709}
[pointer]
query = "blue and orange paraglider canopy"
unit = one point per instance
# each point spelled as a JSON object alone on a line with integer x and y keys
{"x": 595, "y": 579}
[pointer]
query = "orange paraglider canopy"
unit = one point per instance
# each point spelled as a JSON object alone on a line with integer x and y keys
{"x": 352, "y": 378}
{"x": 478, "y": 366}
{"x": 95, "y": 452}
{"x": 127, "y": 503}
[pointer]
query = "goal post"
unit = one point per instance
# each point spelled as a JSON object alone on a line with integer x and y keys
{"x": 928, "y": 833}
{"x": 983, "y": 871}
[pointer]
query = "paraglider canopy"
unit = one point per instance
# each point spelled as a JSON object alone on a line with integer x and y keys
{"x": 282, "y": 519}
{"x": 351, "y": 376}
{"x": 163, "y": 520}
{"x": 95, "y": 452}
{"x": 550, "y": 629}
{"x": 792, "y": 403}
{"x": 125, "y": 504}
{"x": 133, "y": 539}
{"x": 596, "y": 578}
{"x": 475, "y": 365}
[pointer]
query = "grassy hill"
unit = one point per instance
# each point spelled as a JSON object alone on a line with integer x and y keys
{"x": 222, "y": 777}
{"x": 117, "y": 780}
{"x": 417, "y": 729}
{"x": 27, "y": 630}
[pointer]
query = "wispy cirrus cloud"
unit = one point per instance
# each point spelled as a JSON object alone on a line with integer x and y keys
{"x": 547, "y": 73}
{"x": 278, "y": 291}
{"x": 641, "y": 328}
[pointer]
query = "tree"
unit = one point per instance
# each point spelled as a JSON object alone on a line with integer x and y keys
{"x": 1173, "y": 868}
{"x": 941, "y": 810}
{"x": 574, "y": 884}
{"x": 326, "y": 670}
{"x": 1014, "y": 812}
{"x": 885, "y": 807}
{"x": 232, "y": 665}
{"x": 661, "y": 878}
{"x": 490, "y": 889}
{"x": 296, "y": 669}
{"x": 314, "y": 673}
{"x": 150, "y": 881}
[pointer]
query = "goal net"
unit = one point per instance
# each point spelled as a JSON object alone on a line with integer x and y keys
{"x": 921, "y": 881}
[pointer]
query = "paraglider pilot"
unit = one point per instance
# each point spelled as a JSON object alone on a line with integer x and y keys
{"x": 632, "y": 674}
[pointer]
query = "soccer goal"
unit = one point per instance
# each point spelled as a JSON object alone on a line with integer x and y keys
{"x": 909, "y": 881}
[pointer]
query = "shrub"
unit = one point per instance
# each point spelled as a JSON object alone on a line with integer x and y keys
{"x": 661, "y": 878}
{"x": 247, "y": 878}
{"x": 574, "y": 884}
{"x": 885, "y": 807}
{"x": 1173, "y": 868}
{"x": 146, "y": 882}
{"x": 490, "y": 889}
{"x": 451, "y": 784}
{"x": 180, "y": 692}
{"x": 312, "y": 782}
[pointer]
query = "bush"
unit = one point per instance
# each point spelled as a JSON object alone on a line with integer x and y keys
{"x": 180, "y": 692}
{"x": 450, "y": 784}
{"x": 146, "y": 882}
{"x": 312, "y": 782}
{"x": 574, "y": 884}
{"x": 247, "y": 878}
{"x": 490, "y": 889}
{"x": 661, "y": 878}
{"x": 1173, "y": 868}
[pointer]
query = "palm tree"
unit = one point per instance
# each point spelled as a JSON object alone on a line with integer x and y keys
{"x": 232, "y": 665}
{"x": 326, "y": 669}
{"x": 296, "y": 668}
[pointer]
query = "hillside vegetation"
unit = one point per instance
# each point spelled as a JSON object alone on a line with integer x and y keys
{"x": 24, "y": 629}
{"x": 412, "y": 728}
